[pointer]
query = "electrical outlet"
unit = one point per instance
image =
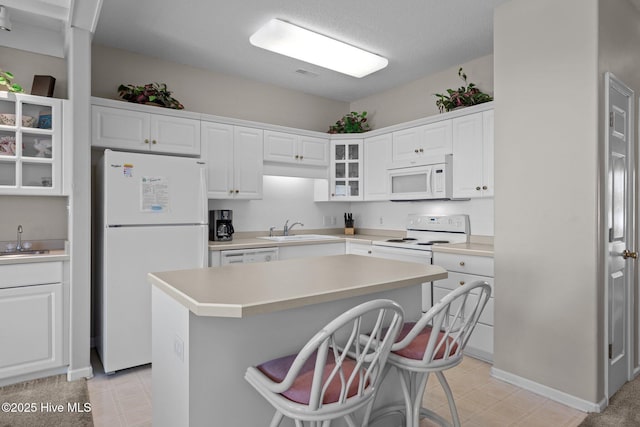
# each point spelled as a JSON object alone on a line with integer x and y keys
{"x": 178, "y": 347}
{"x": 381, "y": 220}
{"x": 334, "y": 220}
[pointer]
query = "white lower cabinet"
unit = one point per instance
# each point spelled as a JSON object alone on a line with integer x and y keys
{"x": 31, "y": 319}
{"x": 464, "y": 269}
{"x": 358, "y": 248}
{"x": 303, "y": 251}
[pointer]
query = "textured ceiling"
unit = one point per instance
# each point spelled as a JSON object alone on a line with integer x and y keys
{"x": 419, "y": 37}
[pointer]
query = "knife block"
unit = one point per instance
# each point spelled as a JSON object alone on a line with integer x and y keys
{"x": 349, "y": 230}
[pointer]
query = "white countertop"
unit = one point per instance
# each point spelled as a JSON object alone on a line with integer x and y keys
{"x": 256, "y": 242}
{"x": 53, "y": 255}
{"x": 469, "y": 248}
{"x": 247, "y": 289}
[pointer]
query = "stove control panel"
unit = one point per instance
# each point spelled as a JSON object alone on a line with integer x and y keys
{"x": 448, "y": 223}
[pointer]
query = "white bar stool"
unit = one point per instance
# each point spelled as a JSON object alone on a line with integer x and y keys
{"x": 419, "y": 352}
{"x": 337, "y": 372}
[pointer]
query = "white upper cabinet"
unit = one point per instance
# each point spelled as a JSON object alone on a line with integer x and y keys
{"x": 234, "y": 161}
{"x": 346, "y": 170}
{"x": 473, "y": 155}
{"x": 131, "y": 130}
{"x": 422, "y": 145}
{"x": 377, "y": 154}
{"x": 31, "y": 145}
{"x": 295, "y": 149}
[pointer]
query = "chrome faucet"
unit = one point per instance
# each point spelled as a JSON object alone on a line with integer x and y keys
{"x": 288, "y": 227}
{"x": 19, "y": 239}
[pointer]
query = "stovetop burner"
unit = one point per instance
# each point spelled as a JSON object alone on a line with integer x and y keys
{"x": 403, "y": 240}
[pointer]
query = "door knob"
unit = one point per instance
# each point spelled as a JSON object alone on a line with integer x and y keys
{"x": 628, "y": 254}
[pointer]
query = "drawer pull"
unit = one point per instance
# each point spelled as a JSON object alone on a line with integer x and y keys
{"x": 461, "y": 282}
{"x": 461, "y": 263}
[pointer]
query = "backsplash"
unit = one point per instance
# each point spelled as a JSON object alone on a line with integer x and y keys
{"x": 292, "y": 198}
{"x": 42, "y": 218}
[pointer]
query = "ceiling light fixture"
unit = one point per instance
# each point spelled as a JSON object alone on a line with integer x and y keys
{"x": 5, "y": 21}
{"x": 296, "y": 42}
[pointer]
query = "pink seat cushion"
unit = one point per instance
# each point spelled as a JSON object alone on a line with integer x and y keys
{"x": 415, "y": 350}
{"x": 300, "y": 391}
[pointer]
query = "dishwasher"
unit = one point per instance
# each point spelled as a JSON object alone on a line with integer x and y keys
{"x": 246, "y": 256}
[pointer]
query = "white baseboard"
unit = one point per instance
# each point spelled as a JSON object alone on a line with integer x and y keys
{"x": 548, "y": 392}
{"x": 32, "y": 376}
{"x": 76, "y": 374}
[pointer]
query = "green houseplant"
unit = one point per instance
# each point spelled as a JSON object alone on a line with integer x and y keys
{"x": 5, "y": 80}
{"x": 151, "y": 93}
{"x": 464, "y": 96}
{"x": 351, "y": 123}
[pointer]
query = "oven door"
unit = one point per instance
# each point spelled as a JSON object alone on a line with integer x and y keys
{"x": 409, "y": 255}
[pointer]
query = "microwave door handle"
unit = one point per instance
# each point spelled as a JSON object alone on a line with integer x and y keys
{"x": 430, "y": 181}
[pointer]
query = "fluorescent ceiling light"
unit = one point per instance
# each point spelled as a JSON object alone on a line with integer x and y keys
{"x": 5, "y": 20}
{"x": 290, "y": 40}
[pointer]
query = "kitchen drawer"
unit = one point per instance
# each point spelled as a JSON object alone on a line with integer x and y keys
{"x": 486, "y": 317}
{"x": 456, "y": 280}
{"x": 37, "y": 273}
{"x": 464, "y": 263}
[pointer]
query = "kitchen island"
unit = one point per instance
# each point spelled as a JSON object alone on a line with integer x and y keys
{"x": 210, "y": 324}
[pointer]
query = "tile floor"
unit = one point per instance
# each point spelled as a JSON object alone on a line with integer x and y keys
{"x": 124, "y": 399}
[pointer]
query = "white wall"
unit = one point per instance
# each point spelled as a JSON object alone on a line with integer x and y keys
{"x": 213, "y": 93}
{"x": 292, "y": 198}
{"x": 24, "y": 65}
{"x": 546, "y": 194}
{"x": 41, "y": 217}
{"x": 284, "y": 198}
{"x": 416, "y": 99}
{"x": 393, "y": 215}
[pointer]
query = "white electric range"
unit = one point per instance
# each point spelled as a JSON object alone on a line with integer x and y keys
{"x": 423, "y": 232}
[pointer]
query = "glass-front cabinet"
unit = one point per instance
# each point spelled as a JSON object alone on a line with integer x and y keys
{"x": 30, "y": 144}
{"x": 346, "y": 169}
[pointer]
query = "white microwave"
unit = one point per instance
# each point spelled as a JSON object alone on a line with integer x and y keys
{"x": 421, "y": 182}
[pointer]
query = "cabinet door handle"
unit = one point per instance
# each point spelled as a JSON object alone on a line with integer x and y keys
{"x": 237, "y": 191}
{"x": 368, "y": 252}
{"x": 484, "y": 187}
{"x": 301, "y": 157}
{"x": 422, "y": 150}
{"x": 154, "y": 142}
{"x": 461, "y": 263}
{"x": 230, "y": 191}
{"x": 297, "y": 157}
{"x": 146, "y": 141}
{"x": 478, "y": 188}
{"x": 461, "y": 282}
{"x": 416, "y": 150}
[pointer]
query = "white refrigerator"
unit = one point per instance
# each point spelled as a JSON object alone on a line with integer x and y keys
{"x": 152, "y": 216}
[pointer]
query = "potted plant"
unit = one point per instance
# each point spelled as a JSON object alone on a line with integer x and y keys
{"x": 351, "y": 123}
{"x": 5, "y": 80}
{"x": 151, "y": 93}
{"x": 464, "y": 96}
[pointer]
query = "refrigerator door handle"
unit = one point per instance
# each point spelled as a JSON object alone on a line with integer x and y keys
{"x": 205, "y": 247}
{"x": 203, "y": 195}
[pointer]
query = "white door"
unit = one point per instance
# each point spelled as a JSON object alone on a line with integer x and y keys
{"x": 177, "y": 135}
{"x": 377, "y": 154}
{"x": 467, "y": 156}
{"x": 620, "y": 203}
{"x": 248, "y": 163}
{"x": 116, "y": 128}
{"x": 313, "y": 151}
{"x": 130, "y": 253}
{"x": 153, "y": 189}
{"x": 217, "y": 152}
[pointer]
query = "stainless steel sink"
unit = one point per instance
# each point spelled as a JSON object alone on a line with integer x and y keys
{"x": 299, "y": 237}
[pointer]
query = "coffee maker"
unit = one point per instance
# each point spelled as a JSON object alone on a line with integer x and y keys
{"x": 220, "y": 225}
